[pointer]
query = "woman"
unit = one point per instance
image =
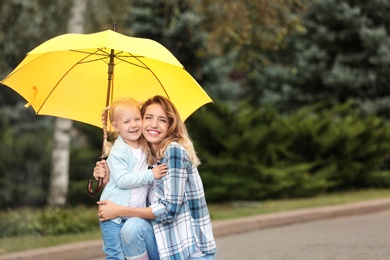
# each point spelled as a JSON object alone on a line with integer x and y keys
{"x": 178, "y": 210}
{"x": 129, "y": 180}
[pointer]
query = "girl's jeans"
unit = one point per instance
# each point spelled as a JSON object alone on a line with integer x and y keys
{"x": 111, "y": 239}
{"x": 138, "y": 239}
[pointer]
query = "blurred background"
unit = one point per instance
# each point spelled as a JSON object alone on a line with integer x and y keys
{"x": 300, "y": 88}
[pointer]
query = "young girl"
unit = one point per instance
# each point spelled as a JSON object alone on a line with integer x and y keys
{"x": 178, "y": 210}
{"x": 128, "y": 184}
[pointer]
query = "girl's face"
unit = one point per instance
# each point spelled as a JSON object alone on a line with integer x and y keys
{"x": 155, "y": 125}
{"x": 128, "y": 123}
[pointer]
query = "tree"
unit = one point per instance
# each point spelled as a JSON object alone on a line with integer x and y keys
{"x": 59, "y": 176}
{"x": 24, "y": 25}
{"x": 102, "y": 14}
{"x": 342, "y": 54}
{"x": 26, "y": 148}
{"x": 178, "y": 26}
{"x": 249, "y": 32}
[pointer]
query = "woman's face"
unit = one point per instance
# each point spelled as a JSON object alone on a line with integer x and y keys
{"x": 155, "y": 125}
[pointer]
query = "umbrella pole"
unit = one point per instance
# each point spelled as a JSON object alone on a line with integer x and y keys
{"x": 104, "y": 152}
{"x": 104, "y": 118}
{"x": 109, "y": 88}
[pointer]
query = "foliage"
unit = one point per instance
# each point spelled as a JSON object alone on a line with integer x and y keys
{"x": 25, "y": 144}
{"x": 251, "y": 33}
{"x": 256, "y": 153}
{"x": 47, "y": 221}
{"x": 25, "y": 150}
{"x": 43, "y": 224}
{"x": 263, "y": 52}
{"x": 342, "y": 54}
{"x": 101, "y": 15}
{"x": 177, "y": 25}
{"x": 250, "y": 27}
{"x": 25, "y": 24}
{"x": 86, "y": 149}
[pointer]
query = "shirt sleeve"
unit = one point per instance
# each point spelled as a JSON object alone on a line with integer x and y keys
{"x": 120, "y": 162}
{"x": 170, "y": 189}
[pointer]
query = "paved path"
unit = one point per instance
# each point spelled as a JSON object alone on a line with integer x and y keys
{"x": 359, "y": 237}
{"x": 254, "y": 236}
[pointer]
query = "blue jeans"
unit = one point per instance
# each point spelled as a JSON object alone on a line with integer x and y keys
{"x": 138, "y": 239}
{"x": 112, "y": 246}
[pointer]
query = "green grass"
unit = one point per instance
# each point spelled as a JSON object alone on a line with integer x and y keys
{"x": 217, "y": 211}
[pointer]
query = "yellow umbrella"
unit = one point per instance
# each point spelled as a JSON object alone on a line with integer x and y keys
{"x": 76, "y": 76}
{"x": 67, "y": 76}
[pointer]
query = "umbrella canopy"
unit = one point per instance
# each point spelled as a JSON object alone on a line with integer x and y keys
{"x": 76, "y": 76}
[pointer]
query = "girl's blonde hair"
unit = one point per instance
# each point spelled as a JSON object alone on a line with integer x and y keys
{"x": 121, "y": 103}
{"x": 177, "y": 131}
{"x": 110, "y": 112}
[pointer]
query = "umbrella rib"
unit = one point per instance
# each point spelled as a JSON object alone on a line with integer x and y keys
{"x": 151, "y": 71}
{"x": 97, "y": 50}
{"x": 117, "y": 56}
{"x": 63, "y": 76}
{"x": 89, "y": 54}
{"x": 137, "y": 65}
{"x": 103, "y": 55}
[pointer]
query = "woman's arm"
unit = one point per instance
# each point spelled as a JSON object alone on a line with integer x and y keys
{"x": 109, "y": 210}
{"x": 169, "y": 193}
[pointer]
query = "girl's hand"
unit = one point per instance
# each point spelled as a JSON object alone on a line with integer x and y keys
{"x": 160, "y": 171}
{"x": 101, "y": 171}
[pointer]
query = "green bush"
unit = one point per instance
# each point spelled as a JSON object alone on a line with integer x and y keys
{"x": 256, "y": 153}
{"x": 349, "y": 147}
{"x": 247, "y": 153}
{"x": 48, "y": 221}
{"x": 26, "y": 152}
{"x": 78, "y": 195}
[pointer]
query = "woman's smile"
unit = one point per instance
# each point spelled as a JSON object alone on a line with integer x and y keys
{"x": 153, "y": 132}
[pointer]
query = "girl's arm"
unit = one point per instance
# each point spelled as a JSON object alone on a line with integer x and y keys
{"x": 102, "y": 170}
{"x": 119, "y": 165}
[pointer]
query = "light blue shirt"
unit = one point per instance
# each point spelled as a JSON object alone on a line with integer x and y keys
{"x": 121, "y": 162}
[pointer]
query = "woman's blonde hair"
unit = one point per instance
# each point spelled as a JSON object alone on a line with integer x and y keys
{"x": 177, "y": 131}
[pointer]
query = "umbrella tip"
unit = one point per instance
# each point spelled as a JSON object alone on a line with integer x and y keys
{"x": 114, "y": 26}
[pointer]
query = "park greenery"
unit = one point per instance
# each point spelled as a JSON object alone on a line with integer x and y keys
{"x": 300, "y": 91}
{"x": 29, "y": 228}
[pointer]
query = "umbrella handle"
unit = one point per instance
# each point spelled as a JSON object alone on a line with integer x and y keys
{"x": 98, "y": 188}
{"x": 105, "y": 148}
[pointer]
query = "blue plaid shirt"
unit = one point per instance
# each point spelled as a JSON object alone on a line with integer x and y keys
{"x": 182, "y": 217}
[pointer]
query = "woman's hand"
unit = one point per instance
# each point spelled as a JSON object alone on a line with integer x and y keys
{"x": 108, "y": 210}
{"x": 101, "y": 171}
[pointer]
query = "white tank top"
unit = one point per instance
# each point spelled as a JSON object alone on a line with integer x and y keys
{"x": 138, "y": 195}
